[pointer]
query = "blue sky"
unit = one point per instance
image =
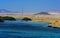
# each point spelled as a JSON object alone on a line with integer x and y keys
{"x": 30, "y": 6}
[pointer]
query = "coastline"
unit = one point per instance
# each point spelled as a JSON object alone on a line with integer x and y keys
{"x": 39, "y": 18}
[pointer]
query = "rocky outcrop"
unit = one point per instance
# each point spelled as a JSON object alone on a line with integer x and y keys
{"x": 27, "y": 19}
{"x": 9, "y": 18}
{"x": 1, "y": 19}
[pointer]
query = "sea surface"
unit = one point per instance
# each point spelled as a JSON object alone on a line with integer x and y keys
{"x": 23, "y": 29}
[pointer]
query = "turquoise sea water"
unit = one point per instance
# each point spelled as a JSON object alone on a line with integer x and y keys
{"x": 22, "y": 29}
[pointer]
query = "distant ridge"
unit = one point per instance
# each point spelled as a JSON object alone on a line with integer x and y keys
{"x": 6, "y": 11}
{"x": 44, "y": 13}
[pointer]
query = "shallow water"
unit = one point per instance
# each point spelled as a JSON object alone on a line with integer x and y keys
{"x": 21, "y": 29}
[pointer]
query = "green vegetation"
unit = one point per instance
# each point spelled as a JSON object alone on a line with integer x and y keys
{"x": 27, "y": 19}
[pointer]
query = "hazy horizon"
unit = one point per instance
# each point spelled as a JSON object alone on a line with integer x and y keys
{"x": 30, "y": 6}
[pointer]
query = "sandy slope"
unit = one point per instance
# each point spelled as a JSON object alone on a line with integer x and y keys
{"x": 39, "y": 18}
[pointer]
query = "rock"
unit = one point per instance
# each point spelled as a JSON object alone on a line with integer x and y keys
{"x": 49, "y": 26}
{"x": 9, "y": 18}
{"x": 27, "y": 19}
{"x": 1, "y": 19}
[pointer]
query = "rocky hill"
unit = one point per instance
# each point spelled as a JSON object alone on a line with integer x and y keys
{"x": 42, "y": 13}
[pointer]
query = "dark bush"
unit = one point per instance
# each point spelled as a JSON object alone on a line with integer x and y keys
{"x": 27, "y": 19}
{"x": 9, "y": 18}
